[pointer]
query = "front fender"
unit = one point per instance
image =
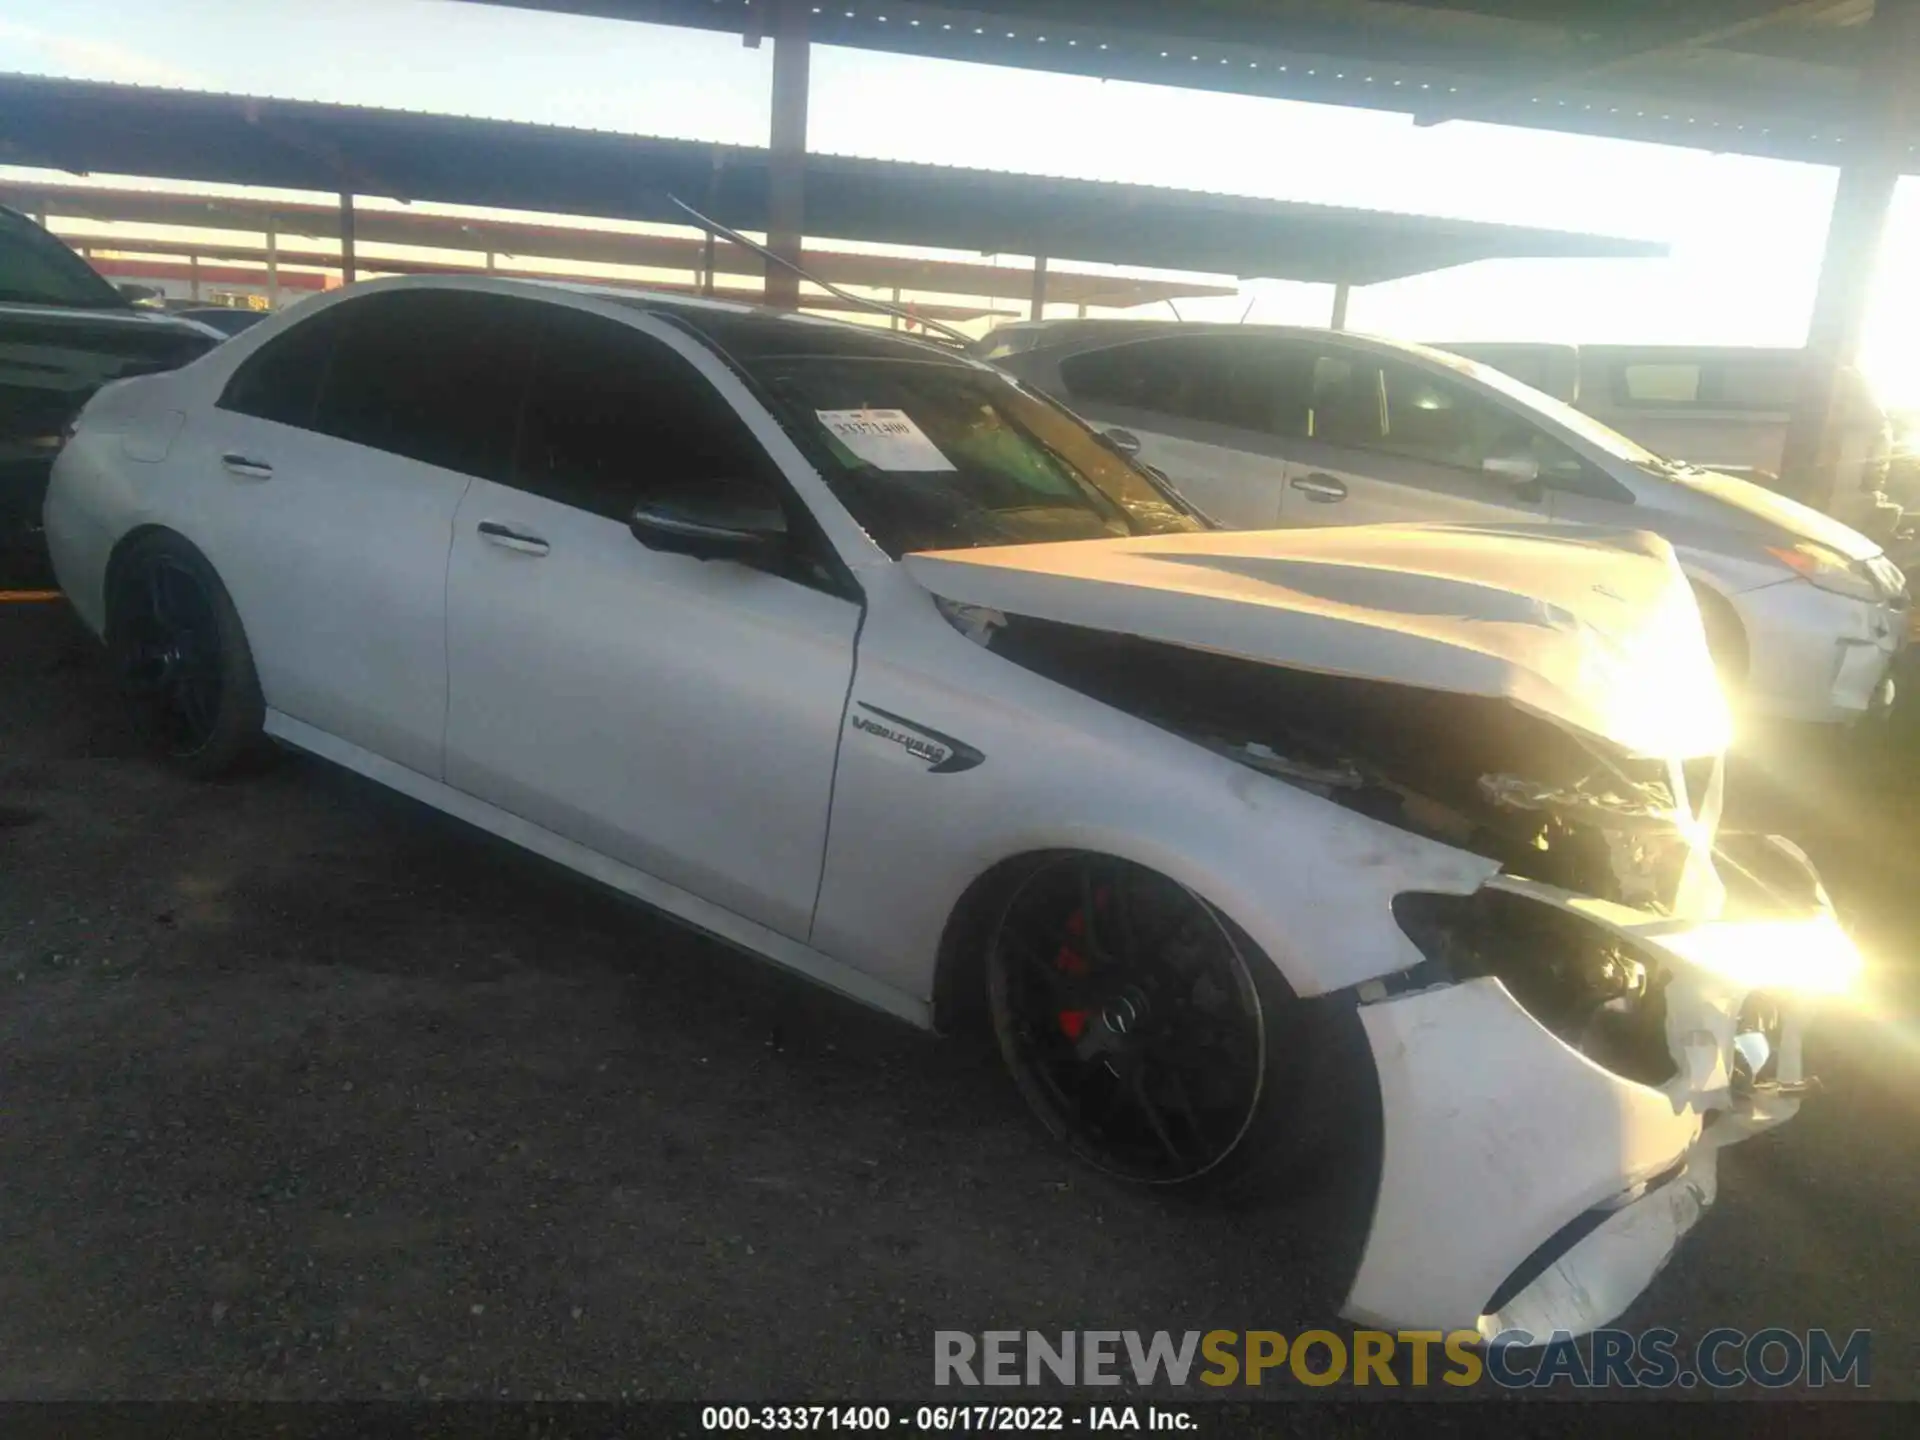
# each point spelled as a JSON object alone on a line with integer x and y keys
{"x": 1310, "y": 882}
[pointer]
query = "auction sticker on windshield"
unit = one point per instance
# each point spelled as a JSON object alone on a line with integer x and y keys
{"x": 885, "y": 439}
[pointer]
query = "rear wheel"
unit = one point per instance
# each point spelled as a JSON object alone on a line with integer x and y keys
{"x": 181, "y": 659}
{"x": 1143, "y": 1028}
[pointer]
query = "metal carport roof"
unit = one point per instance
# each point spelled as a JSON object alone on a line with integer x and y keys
{"x": 86, "y": 127}
{"x": 1778, "y": 78}
{"x": 246, "y": 220}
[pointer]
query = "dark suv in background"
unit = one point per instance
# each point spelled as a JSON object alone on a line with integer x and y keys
{"x": 64, "y": 332}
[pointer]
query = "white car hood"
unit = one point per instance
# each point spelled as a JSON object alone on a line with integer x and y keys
{"x": 1595, "y": 629}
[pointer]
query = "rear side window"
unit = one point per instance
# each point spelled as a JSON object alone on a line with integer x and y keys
{"x": 281, "y": 380}
{"x": 1249, "y": 382}
{"x": 435, "y": 375}
{"x": 1141, "y": 376}
{"x": 1346, "y": 405}
{"x": 613, "y": 412}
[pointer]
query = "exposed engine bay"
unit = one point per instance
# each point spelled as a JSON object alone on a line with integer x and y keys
{"x": 1470, "y": 771}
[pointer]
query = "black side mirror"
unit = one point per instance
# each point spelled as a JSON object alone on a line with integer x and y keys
{"x": 1121, "y": 442}
{"x": 713, "y": 520}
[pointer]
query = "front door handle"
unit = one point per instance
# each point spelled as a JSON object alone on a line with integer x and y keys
{"x": 246, "y": 467}
{"x": 507, "y": 538}
{"x": 1321, "y": 489}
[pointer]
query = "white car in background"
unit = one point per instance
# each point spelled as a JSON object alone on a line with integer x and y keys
{"x": 1262, "y": 426}
{"x": 856, "y": 653}
{"x": 1726, "y": 408}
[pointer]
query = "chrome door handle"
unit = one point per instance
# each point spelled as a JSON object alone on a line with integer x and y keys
{"x": 1321, "y": 489}
{"x": 245, "y": 467}
{"x": 494, "y": 533}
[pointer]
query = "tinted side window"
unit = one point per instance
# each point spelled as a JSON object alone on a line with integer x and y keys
{"x": 1345, "y": 406}
{"x": 37, "y": 269}
{"x": 1436, "y": 420}
{"x": 1251, "y": 382}
{"x": 1431, "y": 419}
{"x": 613, "y": 411}
{"x": 281, "y": 380}
{"x": 1138, "y": 376}
{"x": 434, "y": 375}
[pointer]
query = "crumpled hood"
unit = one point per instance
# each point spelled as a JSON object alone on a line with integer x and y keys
{"x": 1596, "y": 629}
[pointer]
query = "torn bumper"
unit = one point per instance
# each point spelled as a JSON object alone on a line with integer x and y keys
{"x": 1523, "y": 1186}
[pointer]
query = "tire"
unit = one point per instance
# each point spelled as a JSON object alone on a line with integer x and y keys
{"x": 181, "y": 660}
{"x": 1158, "y": 1044}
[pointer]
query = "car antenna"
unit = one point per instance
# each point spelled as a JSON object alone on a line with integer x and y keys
{"x": 880, "y": 306}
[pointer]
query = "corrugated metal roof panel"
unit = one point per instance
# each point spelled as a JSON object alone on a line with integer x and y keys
{"x": 252, "y": 140}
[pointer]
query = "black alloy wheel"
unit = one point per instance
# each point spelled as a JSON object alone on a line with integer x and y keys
{"x": 1125, "y": 1008}
{"x": 169, "y": 654}
{"x": 181, "y": 659}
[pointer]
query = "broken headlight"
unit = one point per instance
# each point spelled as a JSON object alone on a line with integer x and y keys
{"x": 1756, "y": 1042}
{"x": 1578, "y": 979}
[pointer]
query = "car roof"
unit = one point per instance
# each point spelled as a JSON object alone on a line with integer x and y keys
{"x": 746, "y": 332}
{"x": 19, "y": 219}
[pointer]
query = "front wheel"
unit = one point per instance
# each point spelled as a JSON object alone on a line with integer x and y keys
{"x": 1144, "y": 1029}
{"x": 181, "y": 659}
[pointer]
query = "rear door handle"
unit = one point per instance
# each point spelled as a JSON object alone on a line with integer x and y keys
{"x": 1321, "y": 489}
{"x": 246, "y": 467}
{"x": 494, "y": 533}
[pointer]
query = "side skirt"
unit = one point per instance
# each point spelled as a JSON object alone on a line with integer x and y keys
{"x": 721, "y": 923}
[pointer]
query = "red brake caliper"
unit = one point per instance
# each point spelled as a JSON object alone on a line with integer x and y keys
{"x": 1071, "y": 962}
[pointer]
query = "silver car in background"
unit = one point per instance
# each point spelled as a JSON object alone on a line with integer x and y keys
{"x": 1264, "y": 426}
{"x": 1724, "y": 407}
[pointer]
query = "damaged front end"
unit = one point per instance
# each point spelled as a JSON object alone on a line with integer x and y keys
{"x": 1590, "y": 1060}
{"x": 1474, "y": 771}
{"x": 1581, "y": 1034}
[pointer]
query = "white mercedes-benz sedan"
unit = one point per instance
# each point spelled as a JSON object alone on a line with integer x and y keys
{"x": 1261, "y": 854}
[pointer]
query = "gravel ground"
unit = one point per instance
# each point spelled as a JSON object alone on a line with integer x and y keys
{"x": 310, "y": 1093}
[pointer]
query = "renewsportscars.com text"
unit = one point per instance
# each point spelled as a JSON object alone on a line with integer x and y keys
{"x": 1606, "y": 1359}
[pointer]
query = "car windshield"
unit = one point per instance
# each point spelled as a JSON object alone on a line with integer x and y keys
{"x": 934, "y": 455}
{"x": 1601, "y": 437}
{"x": 36, "y": 269}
